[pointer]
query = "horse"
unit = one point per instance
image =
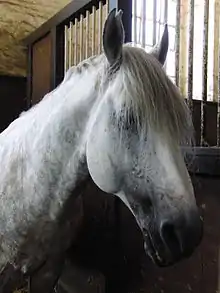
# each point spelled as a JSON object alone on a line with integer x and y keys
{"x": 116, "y": 119}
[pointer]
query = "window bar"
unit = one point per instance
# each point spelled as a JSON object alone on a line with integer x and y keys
{"x": 216, "y": 50}
{"x": 135, "y": 21}
{"x": 65, "y": 49}
{"x": 190, "y": 56}
{"x": 143, "y": 41}
{"x": 204, "y": 72}
{"x": 154, "y": 22}
{"x": 87, "y": 33}
{"x": 166, "y": 7}
{"x": 177, "y": 41}
{"x": 100, "y": 26}
{"x": 81, "y": 49}
{"x": 76, "y": 42}
{"x": 70, "y": 44}
{"x": 218, "y": 105}
{"x": 93, "y": 29}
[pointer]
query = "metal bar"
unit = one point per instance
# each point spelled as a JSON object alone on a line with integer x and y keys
{"x": 107, "y": 7}
{"x": 217, "y": 23}
{"x": 204, "y": 72}
{"x": 159, "y": 20}
{"x": 218, "y": 105}
{"x": 177, "y": 41}
{"x": 93, "y": 29}
{"x": 190, "y": 56}
{"x": 135, "y": 21}
{"x": 184, "y": 11}
{"x": 73, "y": 42}
{"x": 87, "y": 33}
{"x": 154, "y": 22}
{"x": 143, "y": 39}
{"x": 66, "y": 49}
{"x": 100, "y": 27}
{"x": 76, "y": 42}
{"x": 166, "y": 8}
{"x": 81, "y": 49}
{"x": 70, "y": 45}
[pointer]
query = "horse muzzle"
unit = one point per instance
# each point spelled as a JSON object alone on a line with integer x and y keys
{"x": 173, "y": 240}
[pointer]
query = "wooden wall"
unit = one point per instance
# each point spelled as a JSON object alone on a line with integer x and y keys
{"x": 41, "y": 68}
{"x": 12, "y": 99}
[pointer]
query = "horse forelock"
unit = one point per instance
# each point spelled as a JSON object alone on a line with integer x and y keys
{"x": 146, "y": 93}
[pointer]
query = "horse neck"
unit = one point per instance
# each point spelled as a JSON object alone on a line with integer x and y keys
{"x": 57, "y": 134}
{"x": 72, "y": 116}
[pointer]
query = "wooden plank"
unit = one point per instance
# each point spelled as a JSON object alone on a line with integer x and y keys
{"x": 41, "y": 69}
{"x": 29, "y": 76}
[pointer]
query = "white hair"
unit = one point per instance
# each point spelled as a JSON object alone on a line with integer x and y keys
{"x": 145, "y": 93}
{"x": 150, "y": 97}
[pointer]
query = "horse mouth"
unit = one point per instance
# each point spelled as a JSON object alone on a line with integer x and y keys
{"x": 155, "y": 254}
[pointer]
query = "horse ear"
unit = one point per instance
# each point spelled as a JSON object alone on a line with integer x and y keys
{"x": 161, "y": 49}
{"x": 113, "y": 37}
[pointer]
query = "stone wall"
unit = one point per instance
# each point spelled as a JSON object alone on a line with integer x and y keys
{"x": 18, "y": 18}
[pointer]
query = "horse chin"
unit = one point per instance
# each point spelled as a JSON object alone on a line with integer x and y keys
{"x": 156, "y": 256}
{"x": 159, "y": 254}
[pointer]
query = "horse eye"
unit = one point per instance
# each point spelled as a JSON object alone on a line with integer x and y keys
{"x": 126, "y": 121}
{"x": 130, "y": 120}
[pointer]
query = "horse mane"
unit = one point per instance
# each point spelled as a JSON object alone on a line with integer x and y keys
{"x": 150, "y": 97}
{"x": 145, "y": 94}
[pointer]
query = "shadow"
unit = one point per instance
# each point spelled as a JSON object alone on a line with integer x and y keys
{"x": 124, "y": 263}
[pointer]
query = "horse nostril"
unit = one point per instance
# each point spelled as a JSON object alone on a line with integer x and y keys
{"x": 181, "y": 235}
{"x": 170, "y": 237}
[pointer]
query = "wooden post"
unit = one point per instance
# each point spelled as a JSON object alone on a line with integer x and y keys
{"x": 57, "y": 55}
{"x": 29, "y": 77}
